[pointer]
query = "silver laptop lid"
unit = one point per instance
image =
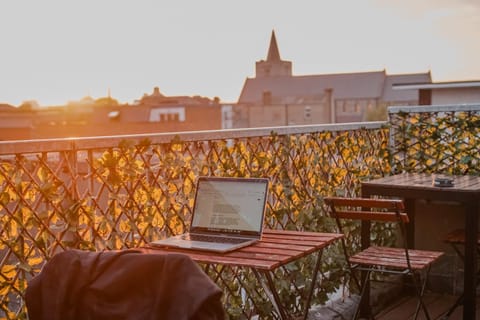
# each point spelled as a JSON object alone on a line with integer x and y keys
{"x": 230, "y": 205}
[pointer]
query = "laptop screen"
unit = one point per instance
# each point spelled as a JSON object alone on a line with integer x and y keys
{"x": 230, "y": 205}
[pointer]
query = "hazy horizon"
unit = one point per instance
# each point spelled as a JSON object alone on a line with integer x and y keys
{"x": 54, "y": 51}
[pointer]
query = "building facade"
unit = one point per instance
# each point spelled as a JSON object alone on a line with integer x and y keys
{"x": 442, "y": 93}
{"x": 277, "y": 97}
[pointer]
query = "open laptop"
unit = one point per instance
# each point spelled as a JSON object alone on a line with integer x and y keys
{"x": 228, "y": 214}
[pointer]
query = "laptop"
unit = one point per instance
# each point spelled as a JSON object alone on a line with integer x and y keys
{"x": 228, "y": 214}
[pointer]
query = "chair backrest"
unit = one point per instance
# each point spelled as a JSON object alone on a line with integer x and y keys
{"x": 387, "y": 210}
{"x": 368, "y": 210}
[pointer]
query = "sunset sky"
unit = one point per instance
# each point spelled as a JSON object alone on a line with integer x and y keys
{"x": 55, "y": 51}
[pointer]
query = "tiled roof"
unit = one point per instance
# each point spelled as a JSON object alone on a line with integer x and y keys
{"x": 288, "y": 89}
{"x": 360, "y": 85}
{"x": 6, "y": 107}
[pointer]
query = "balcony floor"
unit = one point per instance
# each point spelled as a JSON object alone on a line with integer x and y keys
{"x": 400, "y": 309}
{"x": 437, "y": 304}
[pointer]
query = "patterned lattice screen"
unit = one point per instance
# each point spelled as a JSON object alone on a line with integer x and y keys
{"x": 436, "y": 139}
{"x": 122, "y": 192}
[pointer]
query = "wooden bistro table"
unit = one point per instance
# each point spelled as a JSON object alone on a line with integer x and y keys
{"x": 465, "y": 190}
{"x": 276, "y": 249}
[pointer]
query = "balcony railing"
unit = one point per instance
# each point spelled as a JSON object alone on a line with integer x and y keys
{"x": 124, "y": 191}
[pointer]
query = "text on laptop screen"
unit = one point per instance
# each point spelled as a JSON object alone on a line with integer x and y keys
{"x": 228, "y": 205}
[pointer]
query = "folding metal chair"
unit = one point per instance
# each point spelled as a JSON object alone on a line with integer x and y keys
{"x": 382, "y": 259}
{"x": 456, "y": 239}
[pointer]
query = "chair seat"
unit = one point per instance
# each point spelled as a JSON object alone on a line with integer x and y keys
{"x": 394, "y": 258}
{"x": 458, "y": 237}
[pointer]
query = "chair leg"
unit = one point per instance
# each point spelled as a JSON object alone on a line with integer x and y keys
{"x": 450, "y": 311}
{"x": 362, "y": 293}
{"x": 419, "y": 290}
{"x": 360, "y": 287}
{"x": 459, "y": 301}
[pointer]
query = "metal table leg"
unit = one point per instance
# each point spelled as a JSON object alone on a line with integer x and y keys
{"x": 269, "y": 287}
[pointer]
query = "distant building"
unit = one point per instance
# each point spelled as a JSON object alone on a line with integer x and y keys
{"x": 13, "y": 123}
{"x": 154, "y": 113}
{"x": 6, "y": 107}
{"x": 438, "y": 93}
{"x": 277, "y": 97}
{"x": 159, "y": 113}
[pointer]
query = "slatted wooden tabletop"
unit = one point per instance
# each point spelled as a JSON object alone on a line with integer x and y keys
{"x": 276, "y": 248}
{"x": 420, "y": 185}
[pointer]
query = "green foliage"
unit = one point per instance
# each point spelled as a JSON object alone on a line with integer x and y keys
{"x": 436, "y": 143}
{"x": 379, "y": 113}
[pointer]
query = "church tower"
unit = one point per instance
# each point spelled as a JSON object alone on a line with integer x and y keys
{"x": 274, "y": 66}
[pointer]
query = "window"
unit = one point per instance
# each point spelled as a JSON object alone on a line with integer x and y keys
{"x": 307, "y": 112}
{"x": 175, "y": 114}
{"x": 352, "y": 106}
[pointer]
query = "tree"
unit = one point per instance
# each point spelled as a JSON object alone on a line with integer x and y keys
{"x": 28, "y": 106}
{"x": 106, "y": 102}
{"x": 377, "y": 114}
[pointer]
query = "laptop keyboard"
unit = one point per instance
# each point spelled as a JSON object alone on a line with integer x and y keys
{"x": 206, "y": 238}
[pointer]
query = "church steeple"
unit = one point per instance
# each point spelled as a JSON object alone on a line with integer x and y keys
{"x": 274, "y": 66}
{"x": 273, "y": 53}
